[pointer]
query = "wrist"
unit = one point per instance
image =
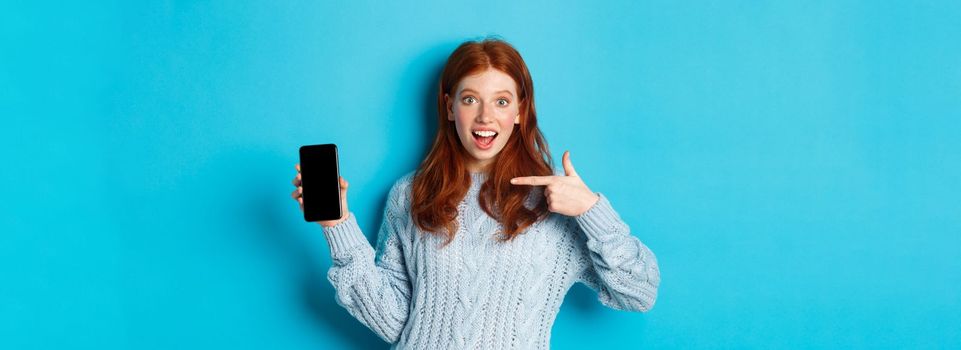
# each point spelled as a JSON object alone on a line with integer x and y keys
{"x": 597, "y": 198}
{"x": 329, "y": 224}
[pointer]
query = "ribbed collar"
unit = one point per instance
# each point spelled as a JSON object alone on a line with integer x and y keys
{"x": 478, "y": 175}
{"x": 477, "y": 179}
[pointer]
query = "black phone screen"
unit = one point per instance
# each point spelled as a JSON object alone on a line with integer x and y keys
{"x": 320, "y": 179}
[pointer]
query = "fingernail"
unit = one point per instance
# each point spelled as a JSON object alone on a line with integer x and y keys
{"x": 513, "y": 181}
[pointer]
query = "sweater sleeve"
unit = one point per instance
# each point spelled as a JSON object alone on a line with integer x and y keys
{"x": 373, "y": 285}
{"x": 617, "y": 265}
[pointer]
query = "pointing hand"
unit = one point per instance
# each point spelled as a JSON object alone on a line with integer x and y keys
{"x": 566, "y": 194}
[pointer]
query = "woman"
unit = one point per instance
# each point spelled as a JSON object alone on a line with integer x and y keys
{"x": 481, "y": 243}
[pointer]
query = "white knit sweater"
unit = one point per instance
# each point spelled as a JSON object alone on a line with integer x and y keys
{"x": 478, "y": 293}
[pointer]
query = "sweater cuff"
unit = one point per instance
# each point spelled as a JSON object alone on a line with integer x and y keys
{"x": 344, "y": 236}
{"x": 600, "y": 219}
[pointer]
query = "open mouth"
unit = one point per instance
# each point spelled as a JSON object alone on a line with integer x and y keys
{"x": 484, "y": 138}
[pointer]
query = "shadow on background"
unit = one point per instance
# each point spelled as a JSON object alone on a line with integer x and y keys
{"x": 310, "y": 253}
{"x": 306, "y": 252}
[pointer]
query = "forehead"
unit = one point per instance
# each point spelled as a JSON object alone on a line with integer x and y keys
{"x": 489, "y": 81}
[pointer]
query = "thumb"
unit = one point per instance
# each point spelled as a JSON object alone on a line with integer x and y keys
{"x": 568, "y": 167}
{"x": 343, "y": 197}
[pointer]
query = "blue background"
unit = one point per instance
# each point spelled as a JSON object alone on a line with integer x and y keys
{"x": 795, "y": 166}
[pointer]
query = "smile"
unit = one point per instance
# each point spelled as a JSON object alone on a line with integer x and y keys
{"x": 484, "y": 139}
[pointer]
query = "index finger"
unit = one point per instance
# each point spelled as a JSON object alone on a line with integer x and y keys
{"x": 297, "y": 166}
{"x": 533, "y": 180}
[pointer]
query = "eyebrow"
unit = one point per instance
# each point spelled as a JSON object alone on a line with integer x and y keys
{"x": 496, "y": 92}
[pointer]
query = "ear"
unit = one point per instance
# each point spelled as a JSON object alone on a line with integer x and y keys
{"x": 450, "y": 113}
{"x": 517, "y": 119}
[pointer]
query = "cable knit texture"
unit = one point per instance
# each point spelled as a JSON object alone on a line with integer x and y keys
{"x": 479, "y": 293}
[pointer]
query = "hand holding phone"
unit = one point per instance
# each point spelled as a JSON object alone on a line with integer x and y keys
{"x": 321, "y": 192}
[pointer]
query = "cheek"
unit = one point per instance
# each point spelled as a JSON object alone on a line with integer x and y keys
{"x": 507, "y": 119}
{"x": 506, "y": 127}
{"x": 463, "y": 115}
{"x": 461, "y": 118}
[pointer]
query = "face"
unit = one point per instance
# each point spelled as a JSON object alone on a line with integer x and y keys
{"x": 484, "y": 109}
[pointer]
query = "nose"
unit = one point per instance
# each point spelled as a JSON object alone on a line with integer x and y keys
{"x": 485, "y": 113}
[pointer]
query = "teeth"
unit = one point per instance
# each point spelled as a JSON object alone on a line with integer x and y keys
{"x": 485, "y": 133}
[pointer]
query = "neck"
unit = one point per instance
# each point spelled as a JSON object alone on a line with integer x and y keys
{"x": 478, "y": 167}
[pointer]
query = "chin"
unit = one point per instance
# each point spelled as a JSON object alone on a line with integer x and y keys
{"x": 483, "y": 155}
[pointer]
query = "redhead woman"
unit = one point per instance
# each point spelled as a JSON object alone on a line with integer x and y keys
{"x": 480, "y": 243}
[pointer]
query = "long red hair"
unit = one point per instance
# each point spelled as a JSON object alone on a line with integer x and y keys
{"x": 442, "y": 179}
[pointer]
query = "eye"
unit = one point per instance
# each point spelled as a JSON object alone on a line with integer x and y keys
{"x": 503, "y": 102}
{"x": 469, "y": 99}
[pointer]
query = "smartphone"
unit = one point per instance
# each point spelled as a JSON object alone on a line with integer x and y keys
{"x": 320, "y": 179}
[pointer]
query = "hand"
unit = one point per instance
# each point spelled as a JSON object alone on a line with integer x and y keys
{"x": 299, "y": 192}
{"x": 567, "y": 194}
